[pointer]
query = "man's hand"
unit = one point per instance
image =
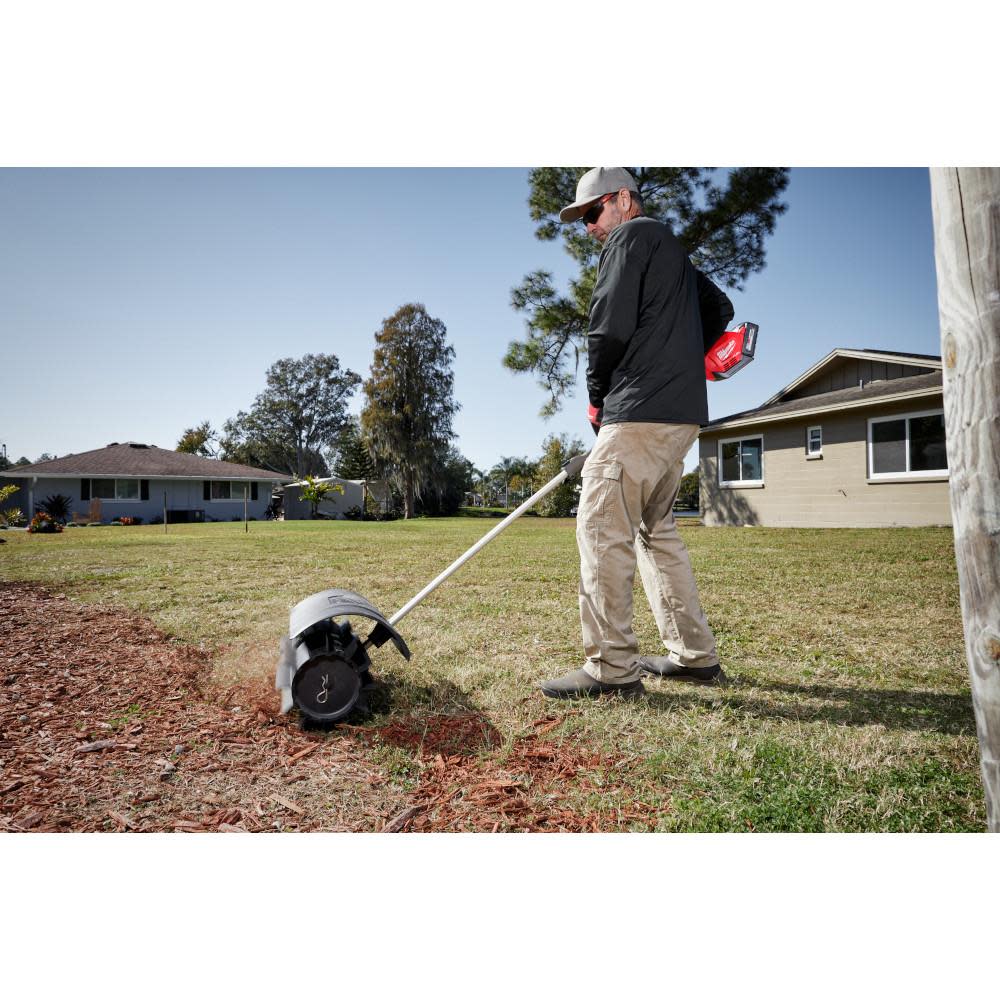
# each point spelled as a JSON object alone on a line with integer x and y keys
{"x": 595, "y": 415}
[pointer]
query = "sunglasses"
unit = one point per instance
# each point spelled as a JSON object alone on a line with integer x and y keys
{"x": 594, "y": 212}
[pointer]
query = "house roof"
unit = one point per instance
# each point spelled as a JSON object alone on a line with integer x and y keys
{"x": 894, "y": 357}
{"x": 142, "y": 461}
{"x": 889, "y": 390}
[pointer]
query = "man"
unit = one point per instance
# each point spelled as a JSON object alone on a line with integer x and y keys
{"x": 646, "y": 380}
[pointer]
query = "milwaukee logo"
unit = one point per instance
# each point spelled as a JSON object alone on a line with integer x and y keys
{"x": 723, "y": 352}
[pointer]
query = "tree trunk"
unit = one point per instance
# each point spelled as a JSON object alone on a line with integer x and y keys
{"x": 408, "y": 499}
{"x": 966, "y": 207}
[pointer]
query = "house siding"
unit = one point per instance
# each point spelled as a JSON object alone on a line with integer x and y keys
{"x": 181, "y": 494}
{"x": 832, "y": 491}
{"x": 851, "y": 371}
{"x": 333, "y": 506}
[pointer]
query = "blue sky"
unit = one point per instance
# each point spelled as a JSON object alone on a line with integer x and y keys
{"x": 135, "y": 303}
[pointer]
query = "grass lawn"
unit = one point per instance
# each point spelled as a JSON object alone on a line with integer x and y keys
{"x": 848, "y": 708}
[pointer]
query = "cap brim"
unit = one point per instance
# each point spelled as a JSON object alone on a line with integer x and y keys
{"x": 571, "y": 213}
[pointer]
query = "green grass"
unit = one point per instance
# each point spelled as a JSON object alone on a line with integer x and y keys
{"x": 849, "y": 707}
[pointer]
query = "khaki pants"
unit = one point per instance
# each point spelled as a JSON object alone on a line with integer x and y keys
{"x": 625, "y": 516}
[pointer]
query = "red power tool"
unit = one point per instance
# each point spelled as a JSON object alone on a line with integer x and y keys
{"x": 731, "y": 352}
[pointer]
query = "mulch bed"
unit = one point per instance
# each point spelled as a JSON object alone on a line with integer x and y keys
{"x": 106, "y": 723}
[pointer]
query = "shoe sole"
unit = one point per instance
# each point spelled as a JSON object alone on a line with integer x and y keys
{"x": 579, "y": 695}
{"x": 720, "y": 678}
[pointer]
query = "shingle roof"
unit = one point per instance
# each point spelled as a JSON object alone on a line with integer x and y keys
{"x": 855, "y": 395}
{"x": 142, "y": 460}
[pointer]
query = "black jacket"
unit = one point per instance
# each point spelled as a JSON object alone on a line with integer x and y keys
{"x": 646, "y": 342}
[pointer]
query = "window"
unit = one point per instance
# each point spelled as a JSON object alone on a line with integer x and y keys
{"x": 225, "y": 490}
{"x": 910, "y": 444}
{"x": 114, "y": 489}
{"x": 814, "y": 441}
{"x": 741, "y": 462}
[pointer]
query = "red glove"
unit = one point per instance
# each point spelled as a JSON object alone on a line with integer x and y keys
{"x": 595, "y": 414}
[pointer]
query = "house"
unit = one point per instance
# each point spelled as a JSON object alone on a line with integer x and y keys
{"x": 334, "y": 505}
{"x": 141, "y": 481}
{"x": 359, "y": 494}
{"x": 855, "y": 441}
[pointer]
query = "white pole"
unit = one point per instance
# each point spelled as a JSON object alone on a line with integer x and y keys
{"x": 571, "y": 468}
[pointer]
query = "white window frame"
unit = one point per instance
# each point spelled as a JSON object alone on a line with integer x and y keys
{"x": 819, "y": 451}
{"x": 741, "y": 483}
{"x": 232, "y": 483}
{"x": 116, "y": 498}
{"x": 919, "y": 473}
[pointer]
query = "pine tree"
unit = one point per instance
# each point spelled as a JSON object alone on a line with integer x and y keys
{"x": 721, "y": 217}
{"x": 407, "y": 417}
{"x": 353, "y": 459}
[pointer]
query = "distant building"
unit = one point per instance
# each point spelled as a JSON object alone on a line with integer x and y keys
{"x": 856, "y": 441}
{"x": 140, "y": 480}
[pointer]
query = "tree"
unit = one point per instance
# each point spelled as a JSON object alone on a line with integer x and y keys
{"x": 316, "y": 492}
{"x": 409, "y": 405}
{"x": 721, "y": 218}
{"x": 502, "y": 473}
{"x": 201, "y": 440}
{"x": 687, "y": 494}
{"x": 556, "y": 451}
{"x": 300, "y": 412}
{"x": 966, "y": 207}
{"x": 451, "y": 477}
{"x": 44, "y": 457}
{"x": 12, "y": 515}
{"x": 23, "y": 461}
{"x": 353, "y": 460}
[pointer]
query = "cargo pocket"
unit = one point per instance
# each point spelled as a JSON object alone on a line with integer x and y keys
{"x": 599, "y": 494}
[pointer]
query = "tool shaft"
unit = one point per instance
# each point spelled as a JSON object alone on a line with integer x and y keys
{"x": 485, "y": 540}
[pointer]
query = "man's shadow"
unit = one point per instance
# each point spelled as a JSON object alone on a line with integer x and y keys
{"x": 920, "y": 711}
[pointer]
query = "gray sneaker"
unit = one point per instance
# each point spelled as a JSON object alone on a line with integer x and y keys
{"x": 580, "y": 684}
{"x": 663, "y": 666}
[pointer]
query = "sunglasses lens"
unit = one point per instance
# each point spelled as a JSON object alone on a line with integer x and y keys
{"x": 594, "y": 212}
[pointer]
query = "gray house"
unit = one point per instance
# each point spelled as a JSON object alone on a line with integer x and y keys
{"x": 856, "y": 441}
{"x": 141, "y": 480}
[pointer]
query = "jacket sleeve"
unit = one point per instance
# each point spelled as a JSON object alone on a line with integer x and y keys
{"x": 614, "y": 314}
{"x": 716, "y": 310}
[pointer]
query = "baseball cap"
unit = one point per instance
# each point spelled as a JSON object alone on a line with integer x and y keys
{"x": 594, "y": 183}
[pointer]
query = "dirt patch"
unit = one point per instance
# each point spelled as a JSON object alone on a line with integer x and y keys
{"x": 441, "y": 734}
{"x": 524, "y": 789}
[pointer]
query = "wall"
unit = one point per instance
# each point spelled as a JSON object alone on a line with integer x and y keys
{"x": 832, "y": 491}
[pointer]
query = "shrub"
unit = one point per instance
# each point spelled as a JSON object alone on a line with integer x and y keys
{"x": 12, "y": 515}
{"x": 58, "y": 507}
{"x": 43, "y": 524}
{"x": 130, "y": 520}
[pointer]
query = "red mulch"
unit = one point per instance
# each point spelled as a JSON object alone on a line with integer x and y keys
{"x": 106, "y": 723}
